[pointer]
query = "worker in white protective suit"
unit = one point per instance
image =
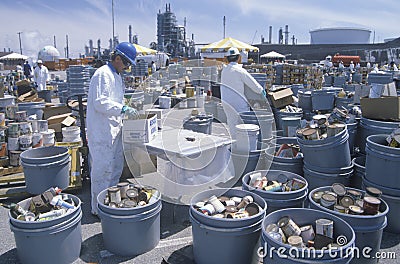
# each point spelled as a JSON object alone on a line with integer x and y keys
{"x": 234, "y": 81}
{"x": 41, "y": 75}
{"x": 105, "y": 110}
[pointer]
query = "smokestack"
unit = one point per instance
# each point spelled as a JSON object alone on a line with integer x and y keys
{"x": 262, "y": 39}
{"x": 98, "y": 49}
{"x": 224, "y": 23}
{"x": 280, "y": 36}
{"x": 130, "y": 33}
{"x": 67, "y": 48}
{"x": 286, "y": 34}
{"x": 54, "y": 41}
{"x": 270, "y": 35}
{"x": 90, "y": 53}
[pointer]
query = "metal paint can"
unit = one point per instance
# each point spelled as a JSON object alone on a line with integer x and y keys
{"x": 307, "y": 233}
{"x": 316, "y": 196}
{"x": 354, "y": 194}
{"x": 132, "y": 193}
{"x": 13, "y": 143}
{"x": 346, "y": 201}
{"x": 2, "y": 119}
{"x": 37, "y": 140}
{"x": 295, "y": 241}
{"x": 237, "y": 215}
{"x": 14, "y": 158}
{"x": 144, "y": 196}
{"x": 48, "y": 137}
{"x": 252, "y": 209}
{"x": 114, "y": 194}
{"x": 25, "y": 142}
{"x": 371, "y": 205}
{"x": 340, "y": 209}
{"x": 128, "y": 203}
{"x": 324, "y": 227}
{"x": 355, "y": 210}
{"x": 273, "y": 186}
{"x": 272, "y": 228}
{"x": 189, "y": 92}
{"x": 13, "y": 129}
{"x": 289, "y": 227}
{"x": 339, "y": 189}
{"x": 21, "y": 116}
{"x": 331, "y": 130}
{"x": 219, "y": 207}
{"x": 245, "y": 201}
{"x": 328, "y": 201}
{"x": 34, "y": 124}
{"x": 374, "y": 192}
{"x": 123, "y": 187}
{"x": 311, "y": 134}
{"x": 319, "y": 119}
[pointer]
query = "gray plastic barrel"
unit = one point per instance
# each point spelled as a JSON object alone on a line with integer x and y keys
{"x": 294, "y": 165}
{"x": 263, "y": 118}
{"x": 261, "y": 78}
{"x": 58, "y": 240}
{"x": 32, "y": 108}
{"x": 380, "y": 78}
{"x": 369, "y": 127}
{"x": 305, "y": 216}
{"x": 382, "y": 164}
{"x": 45, "y": 168}
{"x": 129, "y": 231}
{"x": 7, "y": 100}
{"x": 328, "y": 80}
{"x": 290, "y": 125}
{"x": 317, "y": 178}
{"x": 305, "y": 99}
{"x": 392, "y": 197}
{"x": 368, "y": 228}
{"x": 359, "y": 172}
{"x": 331, "y": 152}
{"x": 224, "y": 240}
{"x": 352, "y": 130}
{"x": 357, "y": 78}
{"x": 46, "y": 95}
{"x": 200, "y": 124}
{"x": 278, "y": 200}
{"x": 339, "y": 81}
{"x": 244, "y": 163}
{"x": 322, "y": 100}
{"x": 279, "y": 115}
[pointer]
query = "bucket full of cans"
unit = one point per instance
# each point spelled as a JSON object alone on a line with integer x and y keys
{"x": 364, "y": 211}
{"x": 223, "y": 220}
{"x": 129, "y": 212}
{"x": 280, "y": 189}
{"x": 305, "y": 235}
{"x": 47, "y": 227}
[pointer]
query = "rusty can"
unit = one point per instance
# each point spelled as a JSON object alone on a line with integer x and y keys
{"x": 289, "y": 227}
{"x": 252, "y": 209}
{"x": 324, "y": 227}
{"x": 371, "y": 205}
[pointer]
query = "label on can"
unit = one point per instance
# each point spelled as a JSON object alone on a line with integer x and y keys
{"x": 324, "y": 227}
{"x": 289, "y": 227}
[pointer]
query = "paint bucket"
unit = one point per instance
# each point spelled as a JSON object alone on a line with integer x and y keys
{"x": 42, "y": 125}
{"x": 318, "y": 177}
{"x": 25, "y": 128}
{"x": 120, "y": 225}
{"x": 247, "y": 135}
{"x": 15, "y": 160}
{"x": 10, "y": 111}
{"x": 279, "y": 115}
{"x": 34, "y": 124}
{"x": 25, "y": 142}
{"x": 359, "y": 172}
{"x": 294, "y": 164}
{"x": 21, "y": 116}
{"x": 13, "y": 143}
{"x": 71, "y": 134}
{"x": 331, "y": 152}
{"x": 305, "y": 102}
{"x": 48, "y": 137}
{"x": 164, "y": 102}
{"x": 244, "y": 163}
{"x": 215, "y": 238}
{"x": 278, "y": 252}
{"x": 382, "y": 160}
{"x": 322, "y": 100}
{"x": 290, "y": 125}
{"x": 368, "y": 228}
{"x": 32, "y": 108}
{"x": 352, "y": 130}
{"x": 264, "y": 118}
{"x": 37, "y": 140}
{"x": 13, "y": 129}
{"x": 278, "y": 200}
{"x": 45, "y": 167}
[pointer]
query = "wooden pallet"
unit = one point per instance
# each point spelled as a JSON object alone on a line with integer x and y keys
{"x": 9, "y": 170}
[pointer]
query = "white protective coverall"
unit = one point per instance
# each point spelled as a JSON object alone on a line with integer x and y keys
{"x": 40, "y": 76}
{"x": 234, "y": 81}
{"x": 104, "y": 123}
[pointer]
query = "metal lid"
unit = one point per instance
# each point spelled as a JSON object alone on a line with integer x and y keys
{"x": 328, "y": 197}
{"x": 113, "y": 189}
{"x": 356, "y": 210}
{"x": 295, "y": 241}
{"x": 122, "y": 184}
{"x": 127, "y": 203}
{"x": 272, "y": 228}
{"x": 316, "y": 196}
{"x": 372, "y": 200}
{"x": 354, "y": 193}
{"x": 339, "y": 189}
{"x": 309, "y": 132}
{"x": 252, "y": 209}
{"x": 346, "y": 201}
{"x": 375, "y": 192}
{"x": 340, "y": 209}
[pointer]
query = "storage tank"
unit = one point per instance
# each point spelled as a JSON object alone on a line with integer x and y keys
{"x": 48, "y": 53}
{"x": 340, "y": 35}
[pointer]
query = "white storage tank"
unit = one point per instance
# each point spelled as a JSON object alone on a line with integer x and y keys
{"x": 340, "y": 35}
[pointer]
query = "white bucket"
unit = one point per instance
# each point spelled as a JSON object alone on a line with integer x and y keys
{"x": 37, "y": 140}
{"x": 34, "y": 124}
{"x": 164, "y": 102}
{"x": 25, "y": 128}
{"x": 191, "y": 102}
{"x": 71, "y": 134}
{"x": 48, "y": 137}
{"x": 25, "y": 142}
{"x": 13, "y": 143}
{"x": 246, "y": 137}
{"x": 200, "y": 101}
{"x": 43, "y": 125}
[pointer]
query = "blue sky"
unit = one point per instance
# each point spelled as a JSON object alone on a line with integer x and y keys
{"x": 246, "y": 20}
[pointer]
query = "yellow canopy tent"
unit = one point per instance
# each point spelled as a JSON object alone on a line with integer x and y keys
{"x": 143, "y": 50}
{"x": 218, "y": 49}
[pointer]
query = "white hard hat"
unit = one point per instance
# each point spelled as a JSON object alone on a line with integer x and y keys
{"x": 232, "y": 52}
{"x": 39, "y": 61}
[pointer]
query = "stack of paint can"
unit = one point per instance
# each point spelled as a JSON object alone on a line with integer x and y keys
{"x": 228, "y": 207}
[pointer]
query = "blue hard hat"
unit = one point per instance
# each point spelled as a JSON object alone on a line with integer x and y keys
{"x": 127, "y": 50}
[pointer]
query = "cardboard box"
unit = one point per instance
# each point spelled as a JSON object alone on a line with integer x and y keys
{"x": 281, "y": 98}
{"x": 141, "y": 130}
{"x": 50, "y": 111}
{"x": 59, "y": 121}
{"x": 384, "y": 108}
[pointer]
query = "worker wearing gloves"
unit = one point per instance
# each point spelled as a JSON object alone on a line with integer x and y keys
{"x": 105, "y": 111}
{"x": 234, "y": 81}
{"x": 41, "y": 75}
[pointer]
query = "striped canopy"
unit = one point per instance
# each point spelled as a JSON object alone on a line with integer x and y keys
{"x": 143, "y": 50}
{"x": 227, "y": 43}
